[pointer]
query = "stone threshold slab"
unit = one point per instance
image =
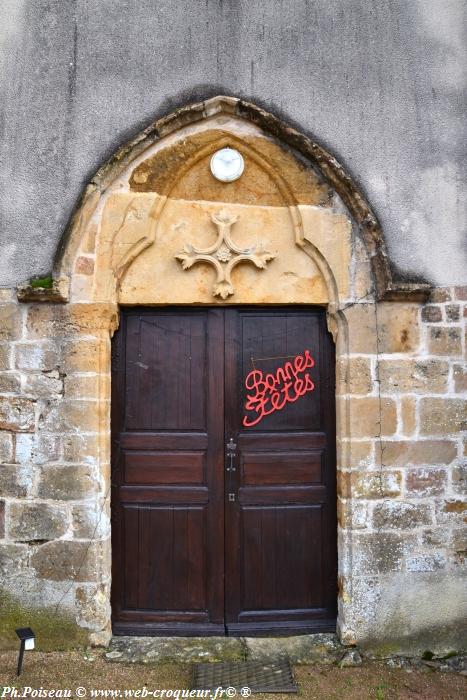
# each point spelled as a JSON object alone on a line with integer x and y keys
{"x": 303, "y": 649}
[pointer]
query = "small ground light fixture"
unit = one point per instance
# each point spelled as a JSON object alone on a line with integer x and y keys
{"x": 26, "y": 637}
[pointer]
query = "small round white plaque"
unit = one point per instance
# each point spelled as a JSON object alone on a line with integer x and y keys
{"x": 227, "y": 165}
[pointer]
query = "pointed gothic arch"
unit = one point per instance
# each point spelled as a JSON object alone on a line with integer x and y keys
{"x": 333, "y": 172}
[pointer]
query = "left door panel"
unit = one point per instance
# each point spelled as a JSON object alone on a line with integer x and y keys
{"x": 167, "y": 473}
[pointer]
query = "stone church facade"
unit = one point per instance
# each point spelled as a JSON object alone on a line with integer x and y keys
{"x": 232, "y": 364}
{"x": 400, "y": 376}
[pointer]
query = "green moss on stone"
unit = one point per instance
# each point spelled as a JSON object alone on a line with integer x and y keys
{"x": 379, "y": 649}
{"x": 55, "y": 631}
{"x": 42, "y": 282}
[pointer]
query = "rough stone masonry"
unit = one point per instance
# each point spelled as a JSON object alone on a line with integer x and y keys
{"x": 402, "y": 499}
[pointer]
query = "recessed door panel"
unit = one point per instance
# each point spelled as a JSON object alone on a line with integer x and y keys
{"x": 166, "y": 371}
{"x": 263, "y": 468}
{"x": 162, "y": 569}
{"x": 282, "y": 559}
{"x": 164, "y": 467}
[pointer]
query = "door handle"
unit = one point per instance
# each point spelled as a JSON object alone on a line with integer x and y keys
{"x": 231, "y": 449}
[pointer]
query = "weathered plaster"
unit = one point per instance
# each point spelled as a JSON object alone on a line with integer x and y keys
{"x": 380, "y": 84}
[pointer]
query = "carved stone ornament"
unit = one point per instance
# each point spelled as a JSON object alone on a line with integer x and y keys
{"x": 224, "y": 255}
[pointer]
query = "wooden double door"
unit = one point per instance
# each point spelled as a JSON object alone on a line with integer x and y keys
{"x": 223, "y": 472}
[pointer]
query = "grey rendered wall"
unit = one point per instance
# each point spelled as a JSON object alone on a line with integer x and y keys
{"x": 378, "y": 82}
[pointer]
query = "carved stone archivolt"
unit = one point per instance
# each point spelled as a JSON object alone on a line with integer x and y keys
{"x": 224, "y": 254}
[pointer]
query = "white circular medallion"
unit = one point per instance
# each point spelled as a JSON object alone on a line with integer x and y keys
{"x": 227, "y": 165}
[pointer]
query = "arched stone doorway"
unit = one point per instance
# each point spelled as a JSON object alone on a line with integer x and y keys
{"x": 141, "y": 214}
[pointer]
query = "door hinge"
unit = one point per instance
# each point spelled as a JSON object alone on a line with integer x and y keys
{"x": 231, "y": 497}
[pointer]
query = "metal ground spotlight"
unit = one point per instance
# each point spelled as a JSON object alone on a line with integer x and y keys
{"x": 27, "y": 637}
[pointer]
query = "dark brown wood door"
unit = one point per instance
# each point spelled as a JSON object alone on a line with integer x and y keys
{"x": 223, "y": 463}
{"x": 281, "y": 527}
{"x": 168, "y": 473}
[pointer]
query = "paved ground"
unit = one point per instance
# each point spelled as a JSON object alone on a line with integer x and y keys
{"x": 90, "y": 670}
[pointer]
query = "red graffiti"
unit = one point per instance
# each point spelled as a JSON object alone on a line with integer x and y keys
{"x": 272, "y": 392}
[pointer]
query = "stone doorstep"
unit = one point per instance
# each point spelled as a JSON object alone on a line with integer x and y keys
{"x": 303, "y": 649}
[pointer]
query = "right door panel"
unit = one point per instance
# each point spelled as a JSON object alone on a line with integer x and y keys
{"x": 281, "y": 548}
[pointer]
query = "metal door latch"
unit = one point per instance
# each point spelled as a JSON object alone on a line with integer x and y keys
{"x": 231, "y": 497}
{"x": 231, "y": 448}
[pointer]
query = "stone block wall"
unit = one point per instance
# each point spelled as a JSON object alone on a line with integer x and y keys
{"x": 54, "y": 473}
{"x": 402, "y": 504}
{"x": 401, "y": 391}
